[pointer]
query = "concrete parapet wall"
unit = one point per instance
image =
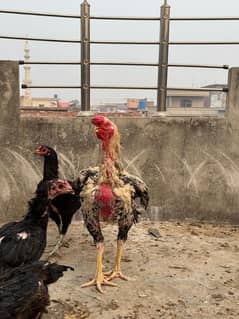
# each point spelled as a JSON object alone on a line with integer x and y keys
{"x": 9, "y": 93}
{"x": 190, "y": 164}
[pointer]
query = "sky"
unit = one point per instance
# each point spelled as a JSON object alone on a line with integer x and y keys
{"x": 60, "y": 28}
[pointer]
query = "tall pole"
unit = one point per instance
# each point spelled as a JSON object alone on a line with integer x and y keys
{"x": 163, "y": 57}
{"x": 85, "y": 56}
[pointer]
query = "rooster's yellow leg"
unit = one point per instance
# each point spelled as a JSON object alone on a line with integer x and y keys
{"x": 99, "y": 279}
{"x": 116, "y": 271}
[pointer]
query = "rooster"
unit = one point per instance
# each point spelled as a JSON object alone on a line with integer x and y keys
{"x": 109, "y": 193}
{"x": 24, "y": 290}
{"x": 24, "y": 241}
{"x": 62, "y": 208}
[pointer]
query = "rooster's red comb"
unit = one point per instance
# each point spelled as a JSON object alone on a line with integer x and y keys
{"x": 99, "y": 120}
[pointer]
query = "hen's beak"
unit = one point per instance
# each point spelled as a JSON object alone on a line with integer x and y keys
{"x": 37, "y": 151}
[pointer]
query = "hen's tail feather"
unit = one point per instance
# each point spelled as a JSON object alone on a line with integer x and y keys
{"x": 52, "y": 272}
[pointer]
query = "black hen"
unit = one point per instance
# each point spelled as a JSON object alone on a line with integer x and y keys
{"x": 24, "y": 291}
{"x": 63, "y": 207}
{"x": 50, "y": 172}
{"x": 24, "y": 241}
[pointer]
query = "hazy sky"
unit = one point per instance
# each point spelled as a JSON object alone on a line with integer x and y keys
{"x": 121, "y": 30}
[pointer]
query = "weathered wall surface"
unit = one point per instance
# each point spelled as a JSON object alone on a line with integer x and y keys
{"x": 9, "y": 93}
{"x": 190, "y": 164}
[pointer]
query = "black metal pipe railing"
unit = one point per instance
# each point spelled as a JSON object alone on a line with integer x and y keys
{"x": 125, "y": 18}
{"x": 163, "y": 44}
{"x": 156, "y": 88}
{"x": 169, "y": 43}
{"x": 24, "y": 86}
{"x": 38, "y": 39}
{"x": 22, "y": 62}
{"x": 204, "y": 19}
{"x": 73, "y": 16}
{"x": 126, "y": 42}
{"x": 171, "y": 19}
{"x": 122, "y": 42}
{"x": 225, "y": 89}
{"x": 42, "y": 14}
{"x": 209, "y": 66}
{"x": 204, "y": 43}
{"x": 117, "y": 87}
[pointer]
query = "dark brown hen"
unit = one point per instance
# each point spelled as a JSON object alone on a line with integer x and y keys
{"x": 24, "y": 290}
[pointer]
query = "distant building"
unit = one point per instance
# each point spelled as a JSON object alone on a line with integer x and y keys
{"x": 110, "y": 107}
{"x": 217, "y": 99}
{"x": 139, "y": 104}
{"x": 197, "y": 99}
{"x": 64, "y": 104}
{"x": 132, "y": 104}
{"x": 187, "y": 99}
{"x": 39, "y": 102}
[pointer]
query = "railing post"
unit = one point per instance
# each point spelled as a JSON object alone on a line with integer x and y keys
{"x": 163, "y": 57}
{"x": 85, "y": 56}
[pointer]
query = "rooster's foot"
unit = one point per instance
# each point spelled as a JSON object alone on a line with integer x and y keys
{"x": 115, "y": 274}
{"x": 98, "y": 283}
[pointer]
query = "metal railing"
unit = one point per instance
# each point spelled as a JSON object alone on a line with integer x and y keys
{"x": 86, "y": 43}
{"x": 210, "y": 66}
